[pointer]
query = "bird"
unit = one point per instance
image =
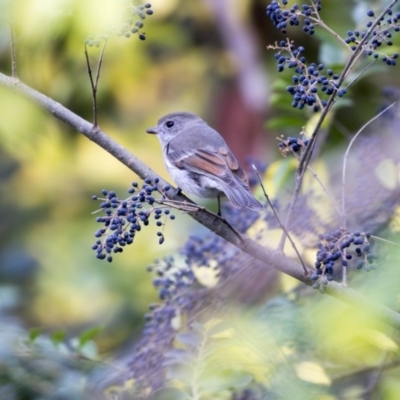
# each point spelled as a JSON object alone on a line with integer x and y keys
{"x": 200, "y": 162}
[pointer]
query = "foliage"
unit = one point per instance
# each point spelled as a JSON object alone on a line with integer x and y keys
{"x": 225, "y": 326}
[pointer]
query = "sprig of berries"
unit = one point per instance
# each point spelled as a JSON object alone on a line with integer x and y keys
{"x": 291, "y": 144}
{"x": 341, "y": 246}
{"x": 282, "y": 16}
{"x": 124, "y": 218}
{"x": 171, "y": 278}
{"x": 381, "y": 35}
{"x": 308, "y": 81}
{"x": 127, "y": 25}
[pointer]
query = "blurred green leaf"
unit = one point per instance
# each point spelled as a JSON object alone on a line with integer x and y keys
{"x": 58, "y": 337}
{"x": 34, "y": 333}
{"x": 280, "y": 84}
{"x": 89, "y": 335}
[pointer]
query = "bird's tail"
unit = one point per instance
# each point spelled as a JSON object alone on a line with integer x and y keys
{"x": 241, "y": 197}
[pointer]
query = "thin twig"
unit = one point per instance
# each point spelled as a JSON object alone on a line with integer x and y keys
{"x": 346, "y": 154}
{"x": 279, "y": 220}
{"x": 100, "y": 62}
{"x": 318, "y": 21}
{"x": 385, "y": 241}
{"x": 374, "y": 378}
{"x": 13, "y": 54}
{"x": 12, "y": 49}
{"x": 361, "y": 73}
{"x": 355, "y": 374}
{"x": 94, "y": 83}
{"x": 331, "y": 198}
{"x": 93, "y": 86}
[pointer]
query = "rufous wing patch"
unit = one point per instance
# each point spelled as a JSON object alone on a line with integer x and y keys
{"x": 214, "y": 163}
{"x": 234, "y": 166}
{"x": 206, "y": 161}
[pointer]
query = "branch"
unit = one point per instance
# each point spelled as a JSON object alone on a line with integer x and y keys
{"x": 272, "y": 258}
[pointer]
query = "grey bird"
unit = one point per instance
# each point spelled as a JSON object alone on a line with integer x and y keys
{"x": 200, "y": 162}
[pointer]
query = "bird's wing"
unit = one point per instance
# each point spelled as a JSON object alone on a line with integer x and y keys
{"x": 223, "y": 167}
{"x": 220, "y": 164}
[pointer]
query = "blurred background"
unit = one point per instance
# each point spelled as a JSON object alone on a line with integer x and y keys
{"x": 208, "y": 57}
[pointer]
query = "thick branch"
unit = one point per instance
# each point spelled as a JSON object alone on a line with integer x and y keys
{"x": 272, "y": 258}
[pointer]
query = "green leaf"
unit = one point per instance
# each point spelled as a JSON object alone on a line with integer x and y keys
{"x": 34, "y": 333}
{"x": 278, "y": 98}
{"x": 57, "y": 337}
{"x": 280, "y": 84}
{"x": 88, "y": 335}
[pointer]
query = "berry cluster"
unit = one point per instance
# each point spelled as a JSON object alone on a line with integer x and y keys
{"x": 124, "y": 218}
{"x": 171, "y": 278}
{"x": 135, "y": 27}
{"x": 128, "y": 25}
{"x": 201, "y": 251}
{"x": 281, "y": 16}
{"x": 148, "y": 361}
{"x": 291, "y": 144}
{"x": 308, "y": 80}
{"x": 382, "y": 34}
{"x": 335, "y": 247}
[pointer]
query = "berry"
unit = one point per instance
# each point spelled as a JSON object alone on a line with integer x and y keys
{"x": 122, "y": 219}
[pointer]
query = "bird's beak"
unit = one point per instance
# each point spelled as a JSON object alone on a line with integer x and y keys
{"x": 152, "y": 130}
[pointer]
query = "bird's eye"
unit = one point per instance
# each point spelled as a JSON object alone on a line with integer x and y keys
{"x": 169, "y": 124}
